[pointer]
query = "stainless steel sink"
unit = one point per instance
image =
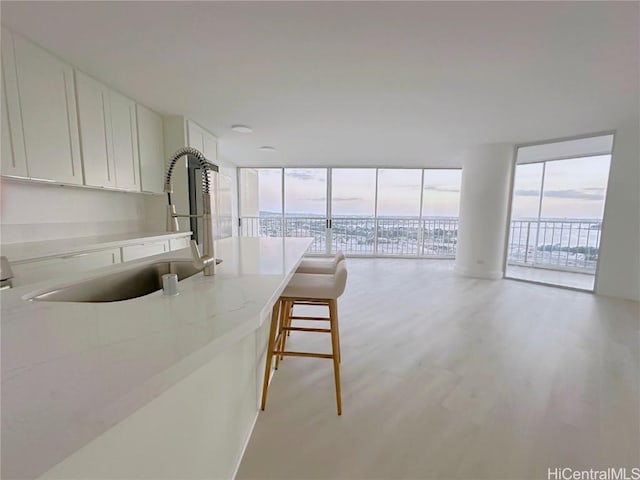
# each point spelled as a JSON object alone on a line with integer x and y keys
{"x": 132, "y": 283}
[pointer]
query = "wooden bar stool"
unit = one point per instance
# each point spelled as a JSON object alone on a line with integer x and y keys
{"x": 307, "y": 289}
{"x": 318, "y": 266}
{"x": 322, "y": 265}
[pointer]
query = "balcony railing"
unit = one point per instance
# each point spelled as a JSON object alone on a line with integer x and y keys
{"x": 367, "y": 236}
{"x": 570, "y": 245}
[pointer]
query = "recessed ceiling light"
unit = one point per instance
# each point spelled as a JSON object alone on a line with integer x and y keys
{"x": 268, "y": 148}
{"x": 241, "y": 129}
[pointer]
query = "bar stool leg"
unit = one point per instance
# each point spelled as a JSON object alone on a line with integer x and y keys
{"x": 291, "y": 305}
{"x": 281, "y": 333}
{"x": 333, "y": 314}
{"x": 337, "y": 329}
{"x": 285, "y": 315}
{"x": 270, "y": 347}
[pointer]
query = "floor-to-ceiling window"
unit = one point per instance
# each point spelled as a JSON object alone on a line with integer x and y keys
{"x": 440, "y": 209}
{"x": 556, "y": 220}
{"x": 353, "y": 210}
{"x": 361, "y": 211}
{"x": 398, "y": 211}
{"x": 305, "y": 205}
{"x": 261, "y": 206}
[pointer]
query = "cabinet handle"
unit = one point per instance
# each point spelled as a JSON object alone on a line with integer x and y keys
{"x": 76, "y": 255}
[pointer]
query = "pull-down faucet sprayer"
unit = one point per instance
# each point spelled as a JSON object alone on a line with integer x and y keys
{"x": 206, "y": 261}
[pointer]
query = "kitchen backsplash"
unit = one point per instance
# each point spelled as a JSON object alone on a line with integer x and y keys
{"x": 34, "y": 212}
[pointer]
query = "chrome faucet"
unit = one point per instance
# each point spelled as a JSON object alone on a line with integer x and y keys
{"x": 206, "y": 261}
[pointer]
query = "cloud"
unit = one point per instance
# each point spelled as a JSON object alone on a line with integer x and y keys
{"x": 583, "y": 194}
{"x": 399, "y": 186}
{"x": 436, "y": 188}
{"x": 304, "y": 174}
{"x": 347, "y": 199}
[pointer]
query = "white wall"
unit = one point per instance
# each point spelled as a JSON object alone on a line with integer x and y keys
{"x": 35, "y": 212}
{"x": 619, "y": 264}
{"x": 484, "y": 201}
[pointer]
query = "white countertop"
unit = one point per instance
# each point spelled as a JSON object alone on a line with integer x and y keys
{"x": 70, "y": 371}
{"x": 18, "y": 252}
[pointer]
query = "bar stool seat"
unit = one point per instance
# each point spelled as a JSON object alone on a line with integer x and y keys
{"x": 313, "y": 286}
{"x": 307, "y": 289}
{"x": 320, "y": 265}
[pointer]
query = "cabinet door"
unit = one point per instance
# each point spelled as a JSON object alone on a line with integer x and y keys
{"x": 51, "y": 268}
{"x": 14, "y": 161}
{"x": 132, "y": 252}
{"x": 206, "y": 142}
{"x": 196, "y": 136}
{"x": 151, "y": 150}
{"x": 202, "y": 140}
{"x": 210, "y": 147}
{"x": 95, "y": 132}
{"x": 49, "y": 119}
{"x": 125, "y": 141}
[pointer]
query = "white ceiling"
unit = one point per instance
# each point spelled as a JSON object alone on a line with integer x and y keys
{"x": 357, "y": 83}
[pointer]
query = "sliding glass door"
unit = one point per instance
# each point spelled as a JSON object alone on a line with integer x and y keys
{"x": 556, "y": 221}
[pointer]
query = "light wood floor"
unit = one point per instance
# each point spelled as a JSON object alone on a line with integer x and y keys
{"x": 446, "y": 377}
{"x": 583, "y": 281}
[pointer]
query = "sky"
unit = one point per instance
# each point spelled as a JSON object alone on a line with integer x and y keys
{"x": 573, "y": 188}
{"x": 354, "y": 191}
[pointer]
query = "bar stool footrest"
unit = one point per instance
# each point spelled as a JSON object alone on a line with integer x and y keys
{"x": 302, "y": 354}
{"x": 307, "y": 329}
{"x": 310, "y": 318}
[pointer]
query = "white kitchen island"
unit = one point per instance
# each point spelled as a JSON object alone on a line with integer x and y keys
{"x": 152, "y": 387}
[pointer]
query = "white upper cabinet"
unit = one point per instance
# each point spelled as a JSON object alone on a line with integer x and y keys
{"x": 202, "y": 140}
{"x": 125, "y": 141}
{"x": 151, "y": 150}
{"x": 94, "y": 112}
{"x": 48, "y": 113}
{"x": 109, "y": 136}
{"x": 14, "y": 161}
{"x": 210, "y": 147}
{"x": 196, "y": 136}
